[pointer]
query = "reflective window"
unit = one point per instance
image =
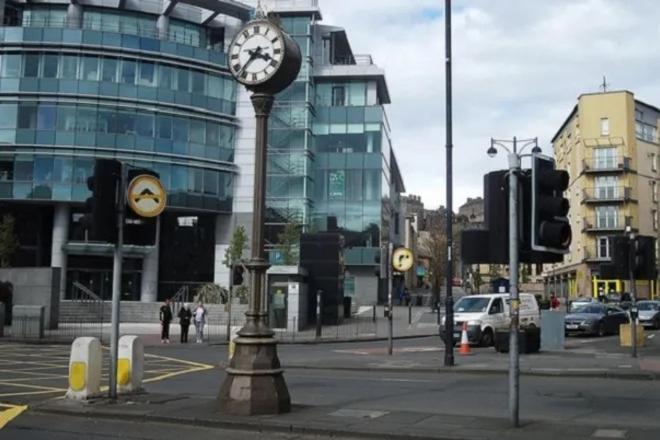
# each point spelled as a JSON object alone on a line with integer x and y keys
{"x": 164, "y": 127}
{"x": 46, "y": 117}
{"x": 32, "y": 62}
{"x": 166, "y": 77}
{"x": 51, "y": 65}
{"x": 11, "y": 66}
{"x": 109, "y": 69}
{"x": 69, "y": 67}
{"x": 90, "y": 68}
{"x": 147, "y": 74}
{"x": 27, "y": 116}
{"x": 145, "y": 124}
{"x": 128, "y": 72}
{"x": 182, "y": 83}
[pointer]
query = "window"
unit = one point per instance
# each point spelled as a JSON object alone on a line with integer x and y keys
{"x": 338, "y": 96}
{"x": 607, "y": 217}
{"x": 654, "y": 190}
{"x": 605, "y": 158}
{"x": 606, "y": 187}
{"x": 654, "y": 162}
{"x": 51, "y": 63}
{"x": 128, "y": 72}
{"x": 147, "y": 74}
{"x": 605, "y": 127}
{"x": 109, "y": 70}
{"x": 496, "y": 307}
{"x": 165, "y": 77}
{"x": 336, "y": 185}
{"x": 603, "y": 247}
{"x": 182, "y": 80}
{"x": 11, "y": 66}
{"x": 31, "y": 65}
{"x": 327, "y": 51}
{"x": 654, "y": 213}
{"x": 69, "y": 67}
{"x": 27, "y": 117}
{"x": 90, "y": 69}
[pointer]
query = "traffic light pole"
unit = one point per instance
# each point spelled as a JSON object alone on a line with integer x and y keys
{"x": 116, "y": 283}
{"x": 514, "y": 365}
{"x": 633, "y": 295}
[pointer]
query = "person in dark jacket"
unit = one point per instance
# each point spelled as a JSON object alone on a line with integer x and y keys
{"x": 165, "y": 319}
{"x": 185, "y": 315}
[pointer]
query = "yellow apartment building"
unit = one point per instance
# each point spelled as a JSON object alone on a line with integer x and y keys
{"x": 609, "y": 146}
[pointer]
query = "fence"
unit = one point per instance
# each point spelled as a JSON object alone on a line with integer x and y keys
{"x": 30, "y": 328}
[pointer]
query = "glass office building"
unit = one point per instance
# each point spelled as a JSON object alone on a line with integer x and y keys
{"x": 145, "y": 82}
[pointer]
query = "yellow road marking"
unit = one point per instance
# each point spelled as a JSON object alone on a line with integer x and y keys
{"x": 10, "y": 414}
{"x": 31, "y": 393}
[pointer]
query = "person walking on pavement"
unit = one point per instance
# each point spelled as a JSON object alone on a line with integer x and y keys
{"x": 554, "y": 302}
{"x": 200, "y": 321}
{"x": 185, "y": 315}
{"x": 165, "y": 319}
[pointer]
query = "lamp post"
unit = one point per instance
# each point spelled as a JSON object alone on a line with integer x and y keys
{"x": 514, "y": 156}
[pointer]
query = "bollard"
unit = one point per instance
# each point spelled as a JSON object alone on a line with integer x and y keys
{"x": 373, "y": 319}
{"x": 409, "y": 313}
{"x": 319, "y": 322}
{"x": 130, "y": 364}
{"x": 84, "y": 369}
{"x": 2, "y": 319}
{"x": 233, "y": 334}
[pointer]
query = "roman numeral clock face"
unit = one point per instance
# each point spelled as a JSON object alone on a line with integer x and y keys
{"x": 256, "y": 53}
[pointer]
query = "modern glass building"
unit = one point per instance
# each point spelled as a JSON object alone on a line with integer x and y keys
{"x": 142, "y": 81}
{"x": 146, "y": 82}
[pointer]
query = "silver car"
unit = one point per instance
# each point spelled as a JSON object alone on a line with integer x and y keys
{"x": 649, "y": 313}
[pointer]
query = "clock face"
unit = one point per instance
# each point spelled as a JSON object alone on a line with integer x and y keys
{"x": 256, "y": 53}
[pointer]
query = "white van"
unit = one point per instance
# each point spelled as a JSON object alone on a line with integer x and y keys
{"x": 486, "y": 314}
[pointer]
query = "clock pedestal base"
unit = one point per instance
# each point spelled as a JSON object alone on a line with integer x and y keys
{"x": 254, "y": 384}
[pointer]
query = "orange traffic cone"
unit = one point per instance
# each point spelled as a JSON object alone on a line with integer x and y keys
{"x": 465, "y": 344}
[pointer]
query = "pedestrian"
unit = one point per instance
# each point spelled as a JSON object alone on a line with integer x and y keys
{"x": 165, "y": 319}
{"x": 554, "y": 302}
{"x": 185, "y": 315}
{"x": 406, "y": 296}
{"x": 200, "y": 321}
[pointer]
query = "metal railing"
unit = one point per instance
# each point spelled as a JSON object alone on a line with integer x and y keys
{"x": 607, "y": 194}
{"x": 607, "y": 223}
{"x": 82, "y": 294}
{"x": 181, "y": 297}
{"x": 598, "y": 164}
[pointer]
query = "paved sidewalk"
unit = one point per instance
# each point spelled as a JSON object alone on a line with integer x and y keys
{"x": 335, "y": 421}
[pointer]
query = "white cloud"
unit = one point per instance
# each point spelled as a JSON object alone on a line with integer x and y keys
{"x": 519, "y": 66}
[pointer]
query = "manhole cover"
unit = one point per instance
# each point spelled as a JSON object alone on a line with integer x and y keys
{"x": 609, "y": 433}
{"x": 358, "y": 413}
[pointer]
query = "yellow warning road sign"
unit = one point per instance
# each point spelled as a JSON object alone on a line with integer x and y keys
{"x": 146, "y": 196}
{"x": 402, "y": 259}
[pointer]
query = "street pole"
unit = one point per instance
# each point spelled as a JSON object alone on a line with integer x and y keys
{"x": 633, "y": 295}
{"x": 116, "y": 283}
{"x": 231, "y": 287}
{"x": 514, "y": 373}
{"x": 389, "y": 300}
{"x": 449, "y": 298}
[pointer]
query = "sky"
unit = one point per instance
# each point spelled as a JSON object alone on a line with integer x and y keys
{"x": 518, "y": 68}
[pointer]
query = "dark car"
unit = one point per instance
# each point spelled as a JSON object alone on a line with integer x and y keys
{"x": 595, "y": 319}
{"x": 649, "y": 313}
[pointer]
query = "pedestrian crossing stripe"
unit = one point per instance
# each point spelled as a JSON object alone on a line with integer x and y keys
{"x": 9, "y": 413}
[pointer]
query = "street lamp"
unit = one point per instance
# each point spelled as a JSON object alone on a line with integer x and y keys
{"x": 515, "y": 157}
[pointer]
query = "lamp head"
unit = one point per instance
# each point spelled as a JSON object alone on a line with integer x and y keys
{"x": 536, "y": 150}
{"x": 492, "y": 151}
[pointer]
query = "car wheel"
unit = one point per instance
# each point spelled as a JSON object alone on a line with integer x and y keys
{"x": 601, "y": 329}
{"x": 487, "y": 338}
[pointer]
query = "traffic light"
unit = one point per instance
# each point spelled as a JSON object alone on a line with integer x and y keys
{"x": 644, "y": 259}
{"x": 237, "y": 275}
{"x": 139, "y": 231}
{"x": 100, "y": 220}
{"x": 550, "y": 229}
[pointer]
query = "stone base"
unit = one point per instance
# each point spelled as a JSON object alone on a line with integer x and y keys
{"x": 255, "y": 383}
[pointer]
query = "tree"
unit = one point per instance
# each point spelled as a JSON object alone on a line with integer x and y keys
{"x": 238, "y": 244}
{"x": 289, "y": 241}
{"x": 437, "y": 251}
{"x": 8, "y": 240}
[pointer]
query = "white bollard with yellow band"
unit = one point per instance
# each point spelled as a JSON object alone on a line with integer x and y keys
{"x": 84, "y": 369}
{"x": 130, "y": 364}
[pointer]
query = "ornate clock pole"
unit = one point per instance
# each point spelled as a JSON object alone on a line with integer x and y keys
{"x": 266, "y": 60}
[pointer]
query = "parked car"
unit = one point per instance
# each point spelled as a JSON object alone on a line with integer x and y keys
{"x": 581, "y": 301}
{"x": 649, "y": 314}
{"x": 488, "y": 313}
{"x": 595, "y": 319}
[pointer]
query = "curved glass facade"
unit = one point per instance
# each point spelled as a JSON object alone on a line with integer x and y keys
{"x": 113, "y": 89}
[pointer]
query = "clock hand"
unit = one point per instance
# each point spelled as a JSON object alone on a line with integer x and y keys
{"x": 254, "y": 54}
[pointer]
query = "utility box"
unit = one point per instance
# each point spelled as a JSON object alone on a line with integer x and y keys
{"x": 28, "y": 322}
{"x": 553, "y": 333}
{"x": 625, "y": 338}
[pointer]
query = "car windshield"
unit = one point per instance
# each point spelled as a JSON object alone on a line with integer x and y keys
{"x": 648, "y": 306}
{"x": 587, "y": 308}
{"x": 471, "y": 305}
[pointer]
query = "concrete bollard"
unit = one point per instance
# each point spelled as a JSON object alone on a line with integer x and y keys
{"x": 84, "y": 369}
{"x": 130, "y": 364}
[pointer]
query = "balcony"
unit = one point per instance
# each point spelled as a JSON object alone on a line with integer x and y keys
{"x": 617, "y": 164}
{"x": 607, "y": 224}
{"x": 612, "y": 194}
{"x": 592, "y": 255}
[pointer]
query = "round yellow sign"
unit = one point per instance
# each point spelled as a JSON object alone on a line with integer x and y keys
{"x": 146, "y": 196}
{"x": 402, "y": 259}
